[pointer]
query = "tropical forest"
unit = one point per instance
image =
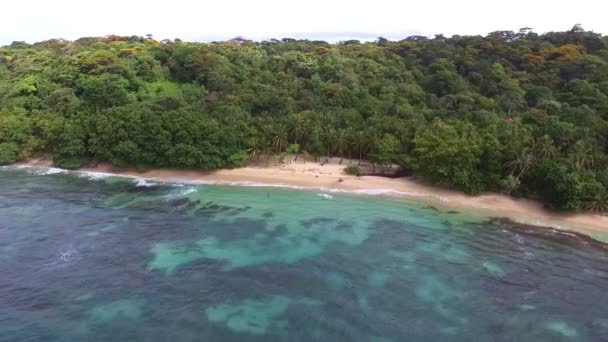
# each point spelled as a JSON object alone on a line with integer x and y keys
{"x": 515, "y": 112}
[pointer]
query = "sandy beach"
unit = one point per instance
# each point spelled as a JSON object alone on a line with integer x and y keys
{"x": 331, "y": 177}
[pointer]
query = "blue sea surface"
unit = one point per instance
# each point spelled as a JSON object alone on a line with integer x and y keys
{"x": 86, "y": 257}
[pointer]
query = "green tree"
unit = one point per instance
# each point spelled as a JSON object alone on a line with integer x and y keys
{"x": 387, "y": 151}
{"x": 544, "y": 148}
{"x": 583, "y": 155}
{"x": 559, "y": 188}
{"x": 443, "y": 78}
{"x": 520, "y": 163}
{"x": 450, "y": 155}
{"x": 361, "y": 143}
{"x": 328, "y": 137}
{"x": 9, "y": 152}
{"x": 104, "y": 91}
{"x": 280, "y": 139}
{"x": 342, "y": 143}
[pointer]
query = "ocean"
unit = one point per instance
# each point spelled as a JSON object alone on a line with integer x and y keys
{"x": 94, "y": 257}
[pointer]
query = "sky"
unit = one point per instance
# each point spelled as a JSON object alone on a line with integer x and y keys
{"x": 330, "y": 20}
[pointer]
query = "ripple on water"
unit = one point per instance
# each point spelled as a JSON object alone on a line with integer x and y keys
{"x": 493, "y": 268}
{"x": 378, "y": 279}
{"x": 336, "y": 281}
{"x": 123, "y": 309}
{"x": 289, "y": 245}
{"x": 441, "y": 297}
{"x": 295, "y": 267}
{"x": 561, "y": 328}
{"x": 249, "y": 316}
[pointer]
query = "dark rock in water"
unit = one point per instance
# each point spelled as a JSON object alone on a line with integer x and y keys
{"x": 564, "y": 236}
{"x": 316, "y": 221}
{"x": 182, "y": 201}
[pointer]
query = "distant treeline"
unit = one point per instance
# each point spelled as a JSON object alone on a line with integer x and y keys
{"x": 517, "y": 112}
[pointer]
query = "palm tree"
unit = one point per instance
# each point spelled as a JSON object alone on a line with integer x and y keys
{"x": 328, "y": 138}
{"x": 373, "y": 140}
{"x": 583, "y": 155}
{"x": 279, "y": 141}
{"x": 258, "y": 147}
{"x": 350, "y": 137}
{"x": 544, "y": 148}
{"x": 521, "y": 163}
{"x": 297, "y": 128}
{"x": 341, "y": 143}
{"x": 598, "y": 204}
{"x": 360, "y": 143}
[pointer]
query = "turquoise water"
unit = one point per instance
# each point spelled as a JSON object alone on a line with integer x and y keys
{"x": 112, "y": 259}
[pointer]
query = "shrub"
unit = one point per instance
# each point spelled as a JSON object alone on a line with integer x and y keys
{"x": 353, "y": 170}
{"x": 8, "y": 153}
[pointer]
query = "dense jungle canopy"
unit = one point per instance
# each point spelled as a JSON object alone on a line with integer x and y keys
{"x": 517, "y": 112}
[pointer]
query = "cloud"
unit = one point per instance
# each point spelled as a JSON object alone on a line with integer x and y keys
{"x": 35, "y": 20}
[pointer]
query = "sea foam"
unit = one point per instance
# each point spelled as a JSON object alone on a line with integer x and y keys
{"x": 37, "y": 170}
{"x": 93, "y": 175}
{"x": 142, "y": 182}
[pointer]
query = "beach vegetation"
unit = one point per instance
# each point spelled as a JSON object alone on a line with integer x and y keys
{"x": 353, "y": 170}
{"x": 517, "y": 112}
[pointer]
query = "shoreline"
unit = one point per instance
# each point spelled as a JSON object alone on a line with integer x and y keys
{"x": 329, "y": 177}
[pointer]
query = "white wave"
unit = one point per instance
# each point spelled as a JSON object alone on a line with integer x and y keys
{"x": 42, "y": 170}
{"x": 20, "y": 166}
{"x": 384, "y": 192}
{"x": 180, "y": 194}
{"x": 540, "y": 223}
{"x": 93, "y": 175}
{"x": 37, "y": 170}
{"x": 68, "y": 253}
{"x": 261, "y": 185}
{"x": 52, "y": 171}
{"x": 188, "y": 191}
{"x": 139, "y": 181}
{"x": 326, "y": 196}
{"x": 142, "y": 182}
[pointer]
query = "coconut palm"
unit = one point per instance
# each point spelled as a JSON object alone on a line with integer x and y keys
{"x": 342, "y": 143}
{"x": 297, "y": 128}
{"x": 521, "y": 163}
{"x": 328, "y": 139}
{"x": 360, "y": 143}
{"x": 373, "y": 140}
{"x": 544, "y": 148}
{"x": 350, "y": 137}
{"x": 598, "y": 204}
{"x": 258, "y": 146}
{"x": 280, "y": 139}
{"x": 582, "y": 155}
